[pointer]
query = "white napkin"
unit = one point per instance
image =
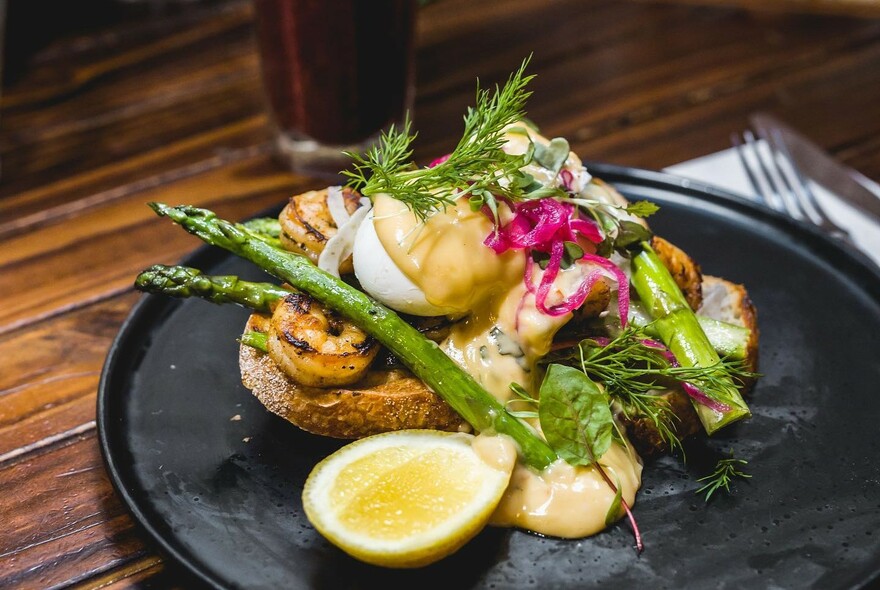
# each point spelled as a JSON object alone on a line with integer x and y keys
{"x": 724, "y": 169}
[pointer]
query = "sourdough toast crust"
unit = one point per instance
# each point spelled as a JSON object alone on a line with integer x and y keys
{"x": 383, "y": 401}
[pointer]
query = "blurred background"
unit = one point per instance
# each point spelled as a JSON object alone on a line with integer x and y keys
{"x": 165, "y": 72}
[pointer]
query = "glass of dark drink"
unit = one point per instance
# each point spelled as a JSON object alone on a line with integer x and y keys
{"x": 336, "y": 74}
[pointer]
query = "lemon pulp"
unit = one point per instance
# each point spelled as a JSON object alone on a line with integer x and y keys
{"x": 406, "y": 498}
{"x": 398, "y": 494}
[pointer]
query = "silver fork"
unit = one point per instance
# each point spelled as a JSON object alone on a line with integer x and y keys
{"x": 778, "y": 182}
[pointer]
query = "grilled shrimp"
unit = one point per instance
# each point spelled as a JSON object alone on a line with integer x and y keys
{"x": 307, "y": 224}
{"x": 316, "y": 347}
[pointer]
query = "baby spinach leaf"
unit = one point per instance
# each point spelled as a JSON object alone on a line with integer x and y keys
{"x": 631, "y": 234}
{"x": 574, "y": 415}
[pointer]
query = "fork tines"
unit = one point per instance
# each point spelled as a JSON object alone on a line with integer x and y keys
{"x": 777, "y": 180}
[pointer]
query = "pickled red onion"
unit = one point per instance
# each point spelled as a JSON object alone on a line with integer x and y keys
{"x": 438, "y": 161}
{"x": 538, "y": 224}
{"x": 545, "y": 225}
{"x": 567, "y": 179}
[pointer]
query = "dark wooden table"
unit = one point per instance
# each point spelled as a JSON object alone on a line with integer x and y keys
{"x": 168, "y": 106}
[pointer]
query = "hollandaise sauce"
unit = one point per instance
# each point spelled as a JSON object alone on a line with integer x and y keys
{"x": 498, "y": 340}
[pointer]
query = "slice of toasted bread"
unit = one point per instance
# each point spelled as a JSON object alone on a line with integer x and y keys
{"x": 729, "y": 302}
{"x": 385, "y": 400}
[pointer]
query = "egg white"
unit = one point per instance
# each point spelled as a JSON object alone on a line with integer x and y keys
{"x": 383, "y": 280}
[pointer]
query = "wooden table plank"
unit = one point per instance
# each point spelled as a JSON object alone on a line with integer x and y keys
{"x": 57, "y": 365}
{"x": 860, "y": 8}
{"x": 62, "y": 521}
{"x": 615, "y": 87}
{"x": 127, "y": 83}
{"x": 147, "y": 572}
{"x": 92, "y": 258}
{"x": 57, "y": 201}
{"x": 150, "y": 568}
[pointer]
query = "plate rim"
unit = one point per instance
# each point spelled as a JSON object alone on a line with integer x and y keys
{"x": 202, "y": 255}
{"x": 611, "y": 173}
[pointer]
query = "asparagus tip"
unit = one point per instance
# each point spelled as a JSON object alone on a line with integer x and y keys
{"x": 161, "y": 209}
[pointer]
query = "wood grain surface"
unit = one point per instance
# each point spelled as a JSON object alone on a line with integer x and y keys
{"x": 863, "y": 8}
{"x": 167, "y": 105}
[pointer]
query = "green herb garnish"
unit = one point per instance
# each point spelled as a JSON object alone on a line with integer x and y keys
{"x": 630, "y": 235}
{"x": 572, "y": 253}
{"x": 478, "y": 168}
{"x": 725, "y": 471}
{"x": 523, "y": 398}
{"x": 642, "y": 209}
{"x": 553, "y": 155}
{"x": 633, "y": 373}
{"x": 575, "y": 416}
{"x": 576, "y": 419}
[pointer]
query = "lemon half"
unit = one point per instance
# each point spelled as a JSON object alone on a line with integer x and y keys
{"x": 405, "y": 498}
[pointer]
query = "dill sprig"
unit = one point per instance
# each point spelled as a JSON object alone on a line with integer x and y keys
{"x": 629, "y": 370}
{"x": 478, "y": 168}
{"x": 633, "y": 372}
{"x": 725, "y": 471}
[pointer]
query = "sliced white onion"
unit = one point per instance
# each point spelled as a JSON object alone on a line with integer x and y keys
{"x": 341, "y": 245}
{"x": 336, "y": 205}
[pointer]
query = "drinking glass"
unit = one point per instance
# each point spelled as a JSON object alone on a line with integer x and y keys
{"x": 336, "y": 73}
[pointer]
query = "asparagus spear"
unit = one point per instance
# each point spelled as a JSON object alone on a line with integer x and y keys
{"x": 729, "y": 340}
{"x": 183, "y": 281}
{"x": 422, "y": 356}
{"x": 680, "y": 331}
{"x": 258, "y": 340}
{"x": 268, "y": 228}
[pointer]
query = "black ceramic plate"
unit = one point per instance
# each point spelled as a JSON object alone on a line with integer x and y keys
{"x": 216, "y": 480}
